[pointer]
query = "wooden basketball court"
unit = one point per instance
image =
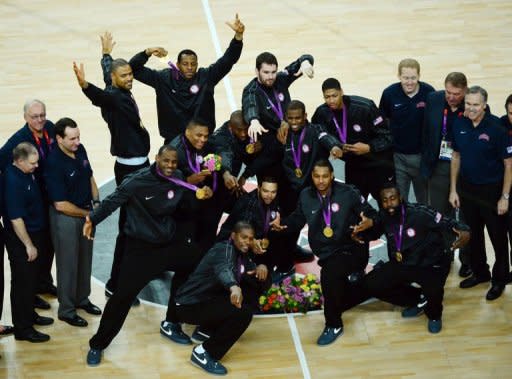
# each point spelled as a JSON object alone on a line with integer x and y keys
{"x": 359, "y": 43}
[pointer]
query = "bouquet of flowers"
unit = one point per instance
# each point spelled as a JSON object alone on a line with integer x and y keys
{"x": 212, "y": 162}
{"x": 296, "y": 293}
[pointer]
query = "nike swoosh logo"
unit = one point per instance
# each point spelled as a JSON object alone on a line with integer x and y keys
{"x": 203, "y": 361}
{"x": 337, "y": 330}
{"x": 313, "y": 212}
{"x": 149, "y": 197}
{"x": 422, "y": 304}
{"x": 72, "y": 174}
{"x": 463, "y": 132}
{"x": 269, "y": 107}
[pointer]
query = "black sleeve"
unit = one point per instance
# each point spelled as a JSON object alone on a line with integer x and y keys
{"x": 106, "y": 67}
{"x": 223, "y": 65}
{"x": 99, "y": 97}
{"x": 223, "y": 268}
{"x": 326, "y": 140}
{"x": 296, "y": 220}
{"x": 142, "y": 73}
{"x": 381, "y": 138}
{"x": 294, "y": 67}
{"x": 113, "y": 201}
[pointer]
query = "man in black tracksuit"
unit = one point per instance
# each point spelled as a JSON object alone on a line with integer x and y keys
{"x": 231, "y": 141}
{"x": 184, "y": 92}
{"x": 192, "y": 147}
{"x": 129, "y": 139}
{"x": 259, "y": 208}
{"x": 264, "y": 101}
{"x": 330, "y": 209}
{"x": 212, "y": 297}
{"x": 155, "y": 198}
{"x": 358, "y": 124}
{"x": 417, "y": 253}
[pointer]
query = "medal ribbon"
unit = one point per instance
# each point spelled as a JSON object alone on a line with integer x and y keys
{"x": 399, "y": 230}
{"x": 342, "y": 132}
{"x": 192, "y": 164}
{"x": 326, "y": 213}
{"x": 278, "y": 110}
{"x": 177, "y": 181}
{"x": 39, "y": 145}
{"x": 297, "y": 152}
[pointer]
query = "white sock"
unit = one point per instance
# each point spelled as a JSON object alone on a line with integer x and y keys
{"x": 199, "y": 349}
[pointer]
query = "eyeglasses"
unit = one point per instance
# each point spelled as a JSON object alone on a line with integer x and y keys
{"x": 37, "y": 116}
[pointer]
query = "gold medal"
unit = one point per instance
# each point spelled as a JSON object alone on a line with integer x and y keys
{"x": 200, "y": 193}
{"x": 298, "y": 172}
{"x": 264, "y": 243}
{"x": 398, "y": 256}
{"x": 249, "y": 148}
{"x": 328, "y": 232}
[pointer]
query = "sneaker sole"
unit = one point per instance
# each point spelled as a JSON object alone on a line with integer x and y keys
{"x": 205, "y": 370}
{"x": 164, "y": 334}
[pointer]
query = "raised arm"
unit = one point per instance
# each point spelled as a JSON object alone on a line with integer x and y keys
{"x": 142, "y": 73}
{"x": 107, "y": 45}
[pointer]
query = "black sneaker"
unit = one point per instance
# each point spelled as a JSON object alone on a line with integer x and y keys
{"x": 200, "y": 335}
{"x": 40, "y": 303}
{"x": 207, "y": 363}
{"x": 174, "y": 332}
{"x": 415, "y": 310}
{"x": 279, "y": 276}
{"x": 329, "y": 335}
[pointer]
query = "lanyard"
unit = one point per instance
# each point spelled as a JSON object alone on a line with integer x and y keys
{"x": 399, "y": 230}
{"x": 177, "y": 181}
{"x": 326, "y": 211}
{"x": 278, "y": 110}
{"x": 193, "y": 164}
{"x": 296, "y": 152}
{"x": 265, "y": 212}
{"x": 342, "y": 132}
{"x": 39, "y": 145}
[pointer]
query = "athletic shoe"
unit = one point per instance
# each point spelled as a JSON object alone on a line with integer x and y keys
{"x": 207, "y": 363}
{"x": 200, "y": 335}
{"x": 435, "y": 326}
{"x": 174, "y": 332}
{"x": 279, "y": 276}
{"x": 94, "y": 357}
{"x": 415, "y": 310}
{"x": 329, "y": 335}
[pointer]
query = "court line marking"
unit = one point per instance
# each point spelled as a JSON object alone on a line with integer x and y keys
{"x": 298, "y": 347}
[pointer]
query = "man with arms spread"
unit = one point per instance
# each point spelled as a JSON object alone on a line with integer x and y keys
{"x": 183, "y": 91}
{"x": 155, "y": 242}
{"x": 331, "y": 209}
{"x": 129, "y": 139}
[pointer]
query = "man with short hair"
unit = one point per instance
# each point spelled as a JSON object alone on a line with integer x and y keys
{"x": 480, "y": 181}
{"x": 129, "y": 139}
{"x": 506, "y": 119}
{"x": 192, "y": 147}
{"x": 183, "y": 91}
{"x": 25, "y": 229}
{"x": 441, "y": 110}
{"x": 331, "y": 210}
{"x": 403, "y": 104}
{"x": 358, "y": 125}
{"x": 73, "y": 192}
{"x": 39, "y": 132}
{"x": 212, "y": 297}
{"x": 156, "y": 241}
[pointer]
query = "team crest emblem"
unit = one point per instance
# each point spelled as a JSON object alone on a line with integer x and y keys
{"x": 305, "y": 148}
{"x": 280, "y": 96}
{"x": 170, "y": 194}
{"x": 199, "y": 159}
{"x": 335, "y": 207}
{"x": 411, "y": 232}
{"x": 273, "y": 215}
{"x": 194, "y": 88}
{"x": 357, "y": 128}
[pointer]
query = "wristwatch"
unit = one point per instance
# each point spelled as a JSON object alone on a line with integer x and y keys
{"x": 506, "y": 196}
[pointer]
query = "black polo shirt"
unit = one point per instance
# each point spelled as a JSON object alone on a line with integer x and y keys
{"x": 69, "y": 179}
{"x": 23, "y": 200}
{"x": 482, "y": 149}
{"x": 405, "y": 116}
